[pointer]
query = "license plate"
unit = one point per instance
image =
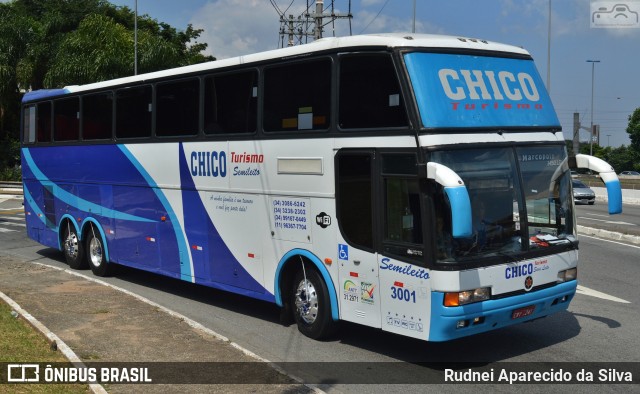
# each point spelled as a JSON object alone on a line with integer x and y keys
{"x": 523, "y": 312}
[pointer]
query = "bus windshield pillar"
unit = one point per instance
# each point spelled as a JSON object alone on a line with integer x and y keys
{"x": 458, "y": 198}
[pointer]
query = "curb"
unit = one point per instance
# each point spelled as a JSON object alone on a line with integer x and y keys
{"x": 12, "y": 192}
{"x": 53, "y": 339}
{"x": 610, "y": 235}
{"x": 192, "y": 323}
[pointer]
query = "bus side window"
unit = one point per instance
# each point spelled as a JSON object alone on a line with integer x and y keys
{"x": 403, "y": 220}
{"x": 402, "y": 230}
{"x": 369, "y": 94}
{"x": 29, "y": 124}
{"x": 231, "y": 103}
{"x": 43, "y": 122}
{"x": 97, "y": 116}
{"x": 66, "y": 115}
{"x": 178, "y": 108}
{"x": 355, "y": 207}
{"x": 297, "y": 96}
{"x": 133, "y": 112}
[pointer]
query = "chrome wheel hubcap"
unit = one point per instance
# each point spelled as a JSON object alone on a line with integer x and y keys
{"x": 71, "y": 245}
{"x": 95, "y": 252}
{"x": 306, "y": 301}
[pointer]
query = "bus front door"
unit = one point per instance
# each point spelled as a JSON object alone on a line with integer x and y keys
{"x": 359, "y": 290}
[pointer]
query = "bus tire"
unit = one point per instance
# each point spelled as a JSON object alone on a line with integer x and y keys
{"x": 311, "y": 305}
{"x": 95, "y": 253}
{"x": 72, "y": 247}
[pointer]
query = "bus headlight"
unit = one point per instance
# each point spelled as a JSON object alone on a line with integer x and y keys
{"x": 567, "y": 275}
{"x": 467, "y": 297}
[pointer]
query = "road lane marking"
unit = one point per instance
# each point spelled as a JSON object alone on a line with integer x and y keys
{"x": 596, "y": 214}
{"x": 594, "y": 293}
{"x": 4, "y": 223}
{"x": 607, "y": 221}
{"x": 11, "y": 218}
{"x": 608, "y": 240}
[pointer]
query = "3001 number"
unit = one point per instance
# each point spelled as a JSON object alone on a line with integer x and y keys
{"x": 400, "y": 294}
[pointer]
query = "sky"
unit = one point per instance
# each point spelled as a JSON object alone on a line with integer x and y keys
{"x": 239, "y": 27}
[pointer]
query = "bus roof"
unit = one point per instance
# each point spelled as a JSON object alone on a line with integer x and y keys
{"x": 389, "y": 40}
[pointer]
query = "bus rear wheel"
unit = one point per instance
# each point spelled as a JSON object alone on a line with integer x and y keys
{"x": 95, "y": 253}
{"x": 73, "y": 248}
{"x": 311, "y": 304}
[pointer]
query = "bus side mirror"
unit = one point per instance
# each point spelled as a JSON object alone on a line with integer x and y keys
{"x": 458, "y": 198}
{"x": 608, "y": 176}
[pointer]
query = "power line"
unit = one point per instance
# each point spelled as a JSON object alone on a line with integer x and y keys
{"x": 375, "y": 17}
{"x": 297, "y": 30}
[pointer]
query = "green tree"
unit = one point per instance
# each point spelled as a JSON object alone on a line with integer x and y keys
{"x": 622, "y": 158}
{"x": 53, "y": 43}
{"x": 634, "y": 130}
{"x": 15, "y": 34}
{"x": 98, "y": 50}
{"x": 49, "y": 22}
{"x": 102, "y": 48}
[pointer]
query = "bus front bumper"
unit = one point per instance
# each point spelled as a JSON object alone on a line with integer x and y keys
{"x": 456, "y": 322}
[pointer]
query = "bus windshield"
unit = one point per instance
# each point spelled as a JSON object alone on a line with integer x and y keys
{"x": 520, "y": 201}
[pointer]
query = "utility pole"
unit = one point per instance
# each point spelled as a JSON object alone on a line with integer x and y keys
{"x": 135, "y": 40}
{"x": 310, "y": 24}
{"x": 549, "y": 52}
{"x": 577, "y": 126}
{"x": 317, "y": 17}
{"x": 413, "y": 30}
{"x": 593, "y": 67}
{"x": 576, "y": 133}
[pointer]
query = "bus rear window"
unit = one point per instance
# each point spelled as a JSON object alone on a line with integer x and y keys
{"x": 29, "y": 124}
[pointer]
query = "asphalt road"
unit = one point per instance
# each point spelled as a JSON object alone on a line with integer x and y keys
{"x": 597, "y": 215}
{"x": 601, "y": 325}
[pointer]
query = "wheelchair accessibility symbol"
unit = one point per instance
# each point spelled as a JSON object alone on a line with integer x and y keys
{"x": 343, "y": 252}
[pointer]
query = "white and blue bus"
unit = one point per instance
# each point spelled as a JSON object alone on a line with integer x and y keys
{"x": 413, "y": 183}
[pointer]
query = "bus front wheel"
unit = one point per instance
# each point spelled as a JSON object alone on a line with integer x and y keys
{"x": 73, "y": 248}
{"x": 95, "y": 253}
{"x": 311, "y": 305}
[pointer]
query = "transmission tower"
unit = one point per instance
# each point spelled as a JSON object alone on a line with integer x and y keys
{"x": 297, "y": 30}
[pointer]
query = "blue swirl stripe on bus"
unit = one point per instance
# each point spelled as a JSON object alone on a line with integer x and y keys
{"x": 185, "y": 269}
{"x": 34, "y": 207}
{"x": 215, "y": 263}
{"x": 74, "y": 201}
